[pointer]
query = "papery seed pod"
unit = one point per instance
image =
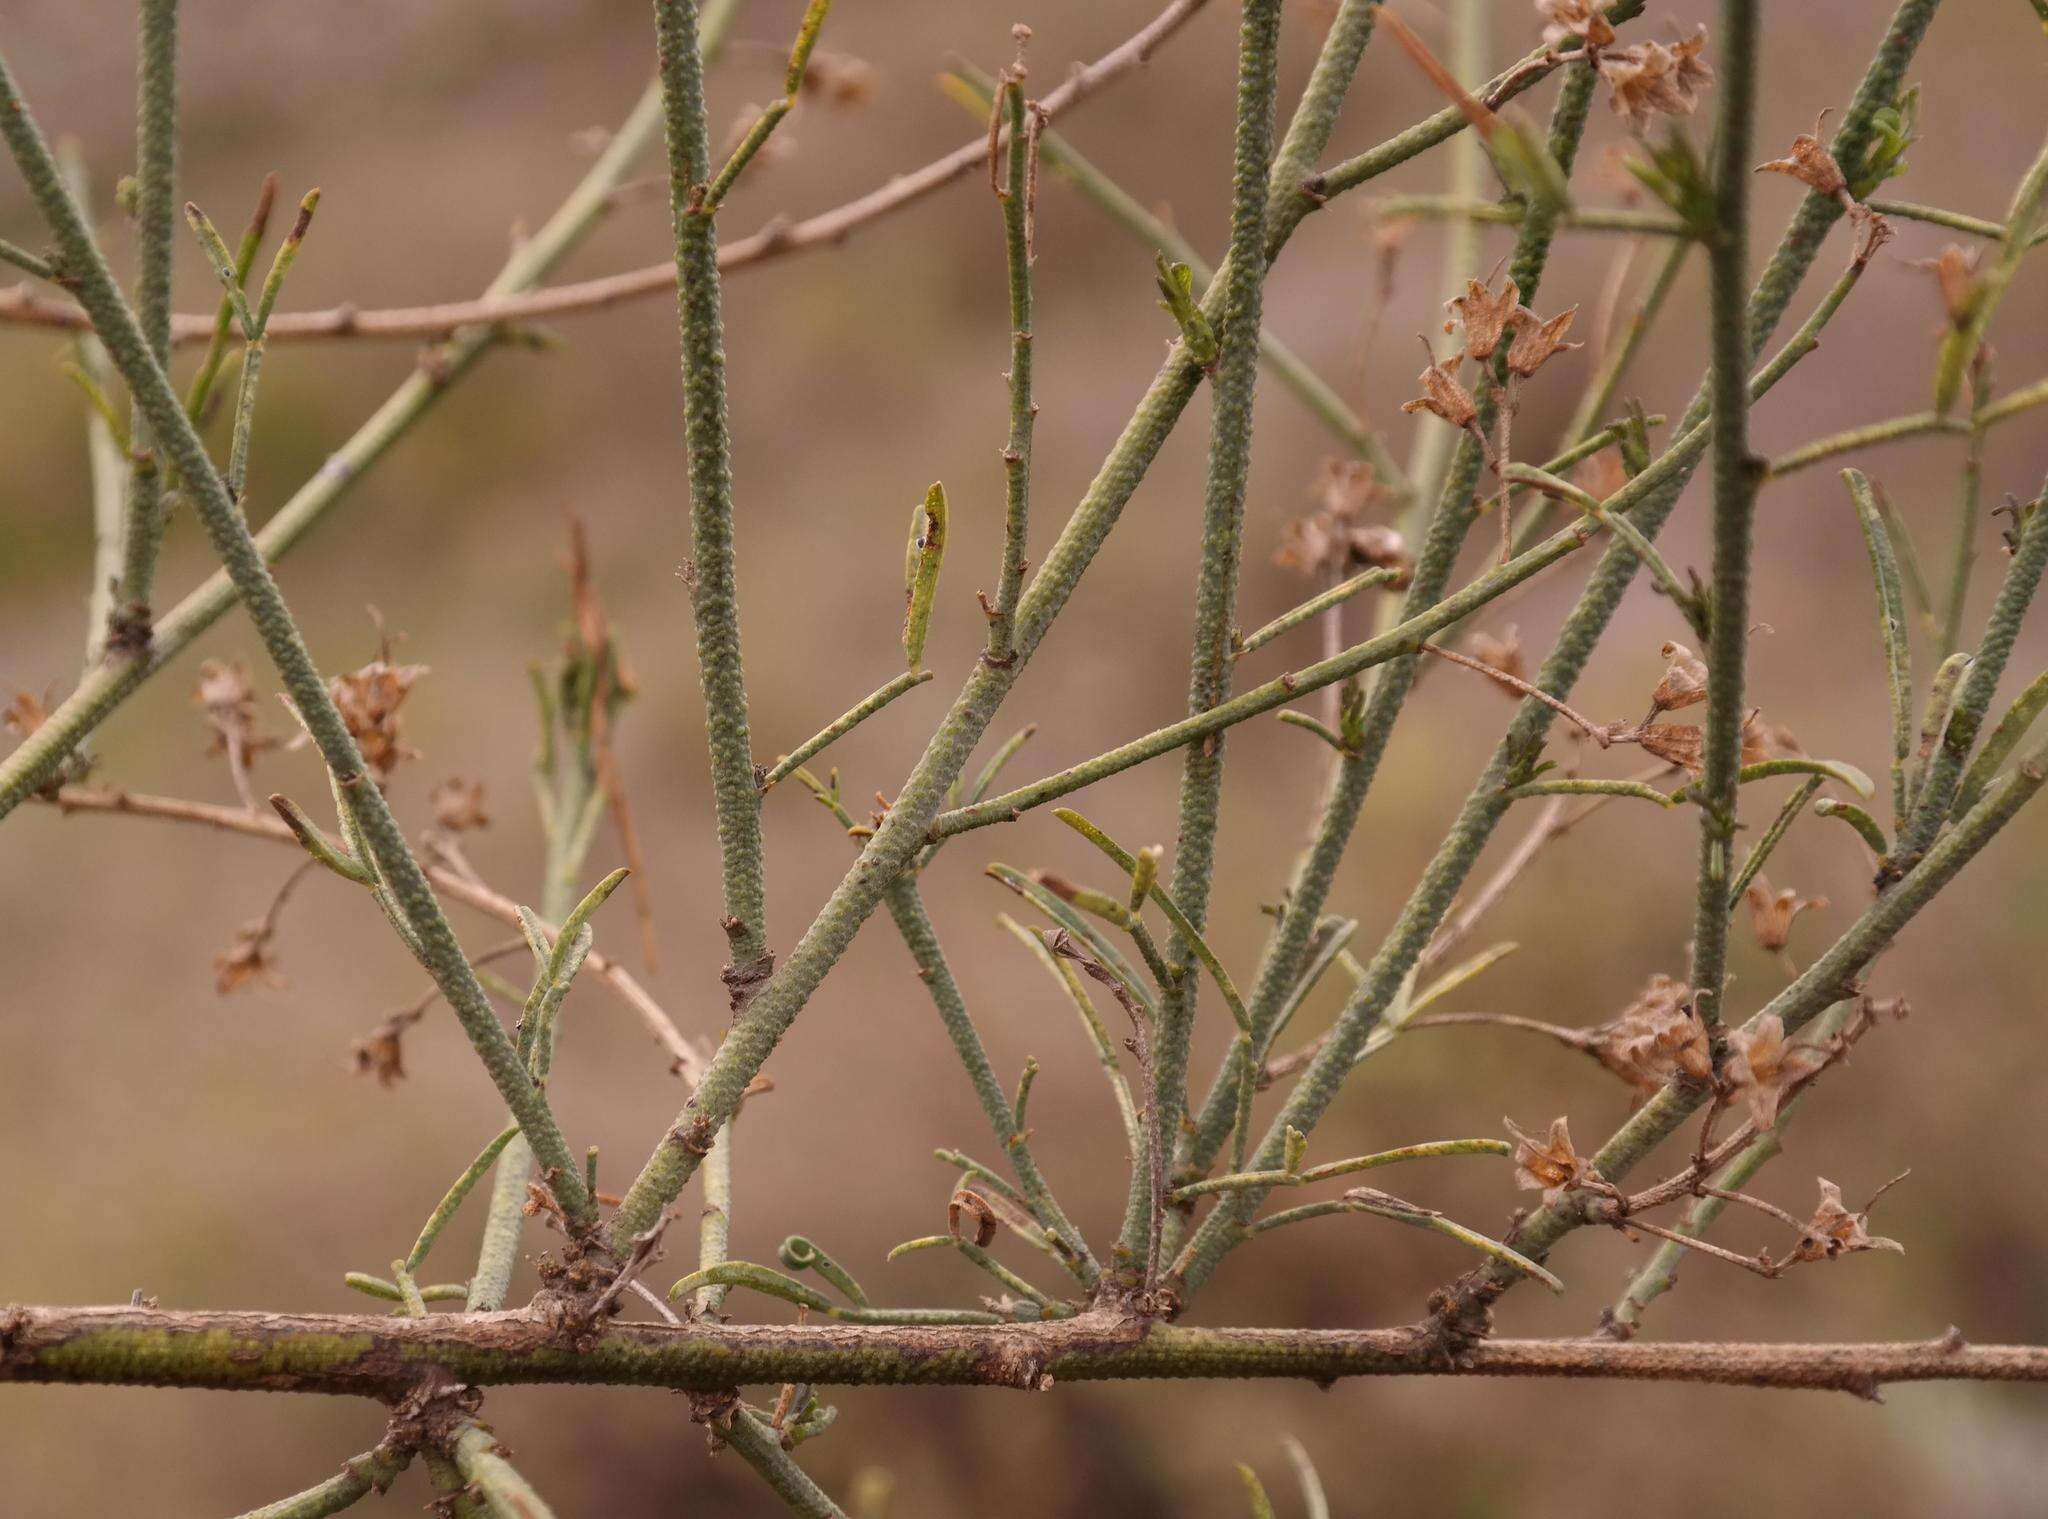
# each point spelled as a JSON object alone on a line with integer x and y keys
{"x": 1684, "y": 682}
{"x": 1771, "y": 913}
{"x": 1549, "y": 1165}
{"x": 1536, "y": 341}
{"x": 1835, "y": 1231}
{"x": 1811, "y": 164}
{"x": 1678, "y": 744}
{"x": 1442, "y": 395}
{"x": 1485, "y": 315}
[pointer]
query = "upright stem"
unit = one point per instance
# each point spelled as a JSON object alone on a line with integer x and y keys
{"x": 1018, "y": 188}
{"x": 1240, "y": 290}
{"x": 1736, "y": 475}
{"x": 761, "y": 1448}
{"x": 714, "y": 592}
{"x": 93, "y": 282}
{"x": 156, "y": 171}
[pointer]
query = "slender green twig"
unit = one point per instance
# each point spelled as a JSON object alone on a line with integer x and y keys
{"x": 1512, "y": 214}
{"x": 1943, "y": 773}
{"x": 1234, "y": 380}
{"x": 129, "y": 352}
{"x": 1314, "y": 607}
{"x": 714, "y": 591}
{"x": 1773, "y": 836}
{"x": 765, "y": 124}
{"x": 1017, "y": 194}
{"x": 1519, "y": 749}
{"x": 1357, "y": 1163}
{"x": 1735, "y": 479}
{"x": 760, "y": 1446}
{"x": 156, "y": 199}
{"x": 29, "y": 767}
{"x": 1955, "y": 221}
{"x": 1891, "y": 624}
{"x": 1969, "y": 498}
{"x": 483, "y": 1464}
{"x": 842, "y": 725}
{"x": 371, "y": 1472}
{"x": 1998, "y": 748}
{"x": 448, "y": 1205}
{"x": 1919, "y": 424}
{"x": 200, "y": 391}
{"x": 1960, "y": 351}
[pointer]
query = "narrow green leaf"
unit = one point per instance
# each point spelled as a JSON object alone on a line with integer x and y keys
{"x": 921, "y": 562}
{"x": 1891, "y": 625}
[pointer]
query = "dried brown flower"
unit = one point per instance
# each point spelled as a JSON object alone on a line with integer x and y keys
{"x": 25, "y": 711}
{"x": 1684, "y": 682}
{"x": 1583, "y": 19}
{"x": 368, "y": 700}
{"x": 1442, "y": 395}
{"x": 1649, "y": 79}
{"x": 459, "y": 804}
{"x": 1763, "y": 1066}
{"x": 1679, "y": 744}
{"x": 1503, "y": 654}
{"x": 381, "y": 1055}
{"x": 1836, "y": 1231}
{"x": 1955, "y": 276}
{"x": 970, "y": 1210}
{"x": 1485, "y": 315}
{"x": 1547, "y": 1165}
{"x": 839, "y": 80}
{"x": 1345, "y": 488}
{"x": 1332, "y": 543}
{"x": 1771, "y": 912}
{"x": 230, "y": 706}
{"x": 1536, "y": 340}
{"x": 1811, "y": 164}
{"x": 247, "y": 961}
{"x": 1656, "y": 1037}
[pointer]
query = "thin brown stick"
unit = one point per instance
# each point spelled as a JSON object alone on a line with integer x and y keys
{"x": 687, "y": 1059}
{"x": 375, "y": 1355}
{"x": 24, "y": 305}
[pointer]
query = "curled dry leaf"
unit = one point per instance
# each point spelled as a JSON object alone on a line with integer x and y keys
{"x": 1442, "y": 395}
{"x": 459, "y": 804}
{"x": 1836, "y": 1231}
{"x": 1485, "y": 315}
{"x": 1549, "y": 1165}
{"x": 1583, "y": 19}
{"x": 1656, "y": 1038}
{"x": 968, "y": 1212}
{"x": 1771, "y": 913}
{"x": 1763, "y": 1066}
{"x": 1811, "y": 164}
{"x": 1536, "y": 341}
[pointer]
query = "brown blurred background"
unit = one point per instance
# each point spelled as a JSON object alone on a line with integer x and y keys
{"x": 220, "y": 1153}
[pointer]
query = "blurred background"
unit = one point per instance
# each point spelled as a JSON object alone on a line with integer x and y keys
{"x": 220, "y": 1151}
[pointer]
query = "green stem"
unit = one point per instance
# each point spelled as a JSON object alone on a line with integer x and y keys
{"x": 31, "y": 765}
{"x": 1969, "y": 497}
{"x": 1511, "y": 214}
{"x": 481, "y": 1460}
{"x": 129, "y": 352}
{"x": 761, "y": 1448}
{"x": 842, "y": 725}
{"x": 1522, "y": 745}
{"x": 371, "y": 1472}
{"x": 1018, "y": 189}
{"x": 1735, "y": 477}
{"x": 714, "y": 589}
{"x": 156, "y": 200}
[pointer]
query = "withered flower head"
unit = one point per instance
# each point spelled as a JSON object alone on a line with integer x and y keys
{"x": 230, "y": 706}
{"x": 1485, "y": 315}
{"x": 1583, "y": 19}
{"x": 1763, "y": 1066}
{"x": 1503, "y": 654}
{"x": 968, "y": 1214}
{"x": 1811, "y": 164}
{"x": 1536, "y": 340}
{"x": 1345, "y": 487}
{"x": 459, "y": 804}
{"x": 1679, "y": 744}
{"x": 839, "y": 80}
{"x": 1442, "y": 395}
{"x": 381, "y": 1055}
{"x": 1548, "y": 1165}
{"x": 1955, "y": 276}
{"x": 25, "y": 711}
{"x": 1684, "y": 682}
{"x": 1649, "y": 79}
{"x": 368, "y": 700}
{"x": 1656, "y": 1037}
{"x": 1835, "y": 1231}
{"x": 1771, "y": 912}
{"x": 247, "y": 961}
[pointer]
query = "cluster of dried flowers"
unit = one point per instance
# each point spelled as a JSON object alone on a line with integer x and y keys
{"x": 1335, "y": 541}
{"x": 1645, "y": 79}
